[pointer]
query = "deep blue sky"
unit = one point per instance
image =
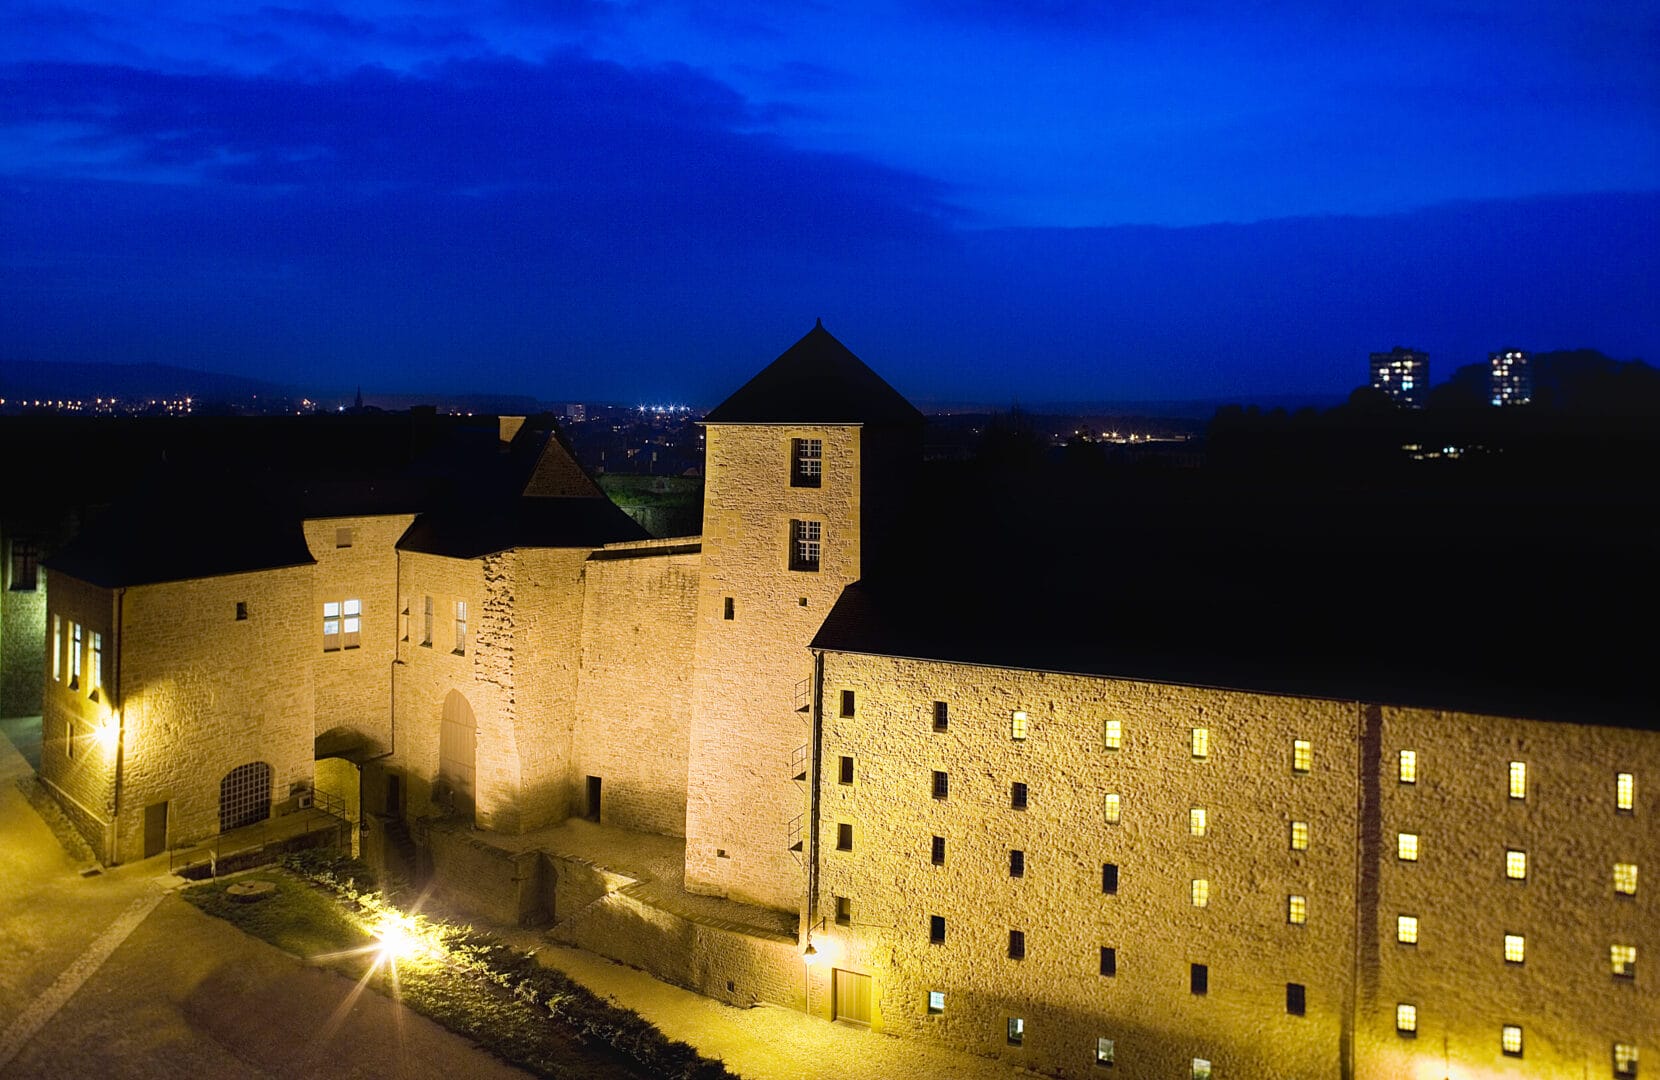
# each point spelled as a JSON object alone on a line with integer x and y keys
{"x": 649, "y": 199}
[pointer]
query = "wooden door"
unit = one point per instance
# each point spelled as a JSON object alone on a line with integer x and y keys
{"x": 852, "y": 996}
{"x": 155, "y": 829}
{"x": 457, "y": 749}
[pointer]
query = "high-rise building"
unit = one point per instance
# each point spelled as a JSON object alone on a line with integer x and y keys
{"x": 1509, "y": 377}
{"x": 1403, "y": 374}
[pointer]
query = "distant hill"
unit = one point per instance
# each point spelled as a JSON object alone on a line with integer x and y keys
{"x": 1572, "y": 380}
{"x": 41, "y": 379}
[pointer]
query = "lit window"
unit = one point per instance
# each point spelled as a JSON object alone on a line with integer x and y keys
{"x": 1406, "y": 1019}
{"x": 936, "y": 1002}
{"x": 1296, "y": 910}
{"x": 76, "y": 642}
{"x": 1406, "y": 846}
{"x": 1103, "y": 1052}
{"x": 936, "y": 929}
{"x": 805, "y": 537}
{"x": 57, "y": 648}
{"x": 351, "y": 623}
{"x": 1017, "y": 863}
{"x": 1200, "y": 890}
{"x": 1625, "y": 878}
{"x": 1017, "y": 795}
{"x": 1518, "y": 779}
{"x": 1406, "y": 929}
{"x": 1017, "y": 726}
{"x": 1623, "y": 959}
{"x": 1515, "y": 948}
{"x": 1201, "y": 742}
{"x": 1201, "y": 1069}
{"x": 1017, "y": 1030}
{"x": 1302, "y": 755}
{"x": 1299, "y": 836}
{"x": 1625, "y": 1059}
{"x": 942, "y": 784}
{"x": 1625, "y": 788}
{"x": 1515, "y": 864}
{"x": 460, "y": 627}
{"x": 331, "y": 625}
{"x": 1409, "y": 766}
{"x": 806, "y": 462}
{"x": 942, "y": 715}
{"x": 1112, "y": 734}
{"x": 1112, "y": 805}
{"x": 1510, "y": 1040}
{"x": 844, "y": 836}
{"x": 937, "y": 855}
{"x": 845, "y": 770}
{"x": 95, "y": 677}
{"x": 1196, "y": 821}
{"x": 1017, "y": 945}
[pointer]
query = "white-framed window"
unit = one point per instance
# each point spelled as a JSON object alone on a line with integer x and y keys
{"x": 1112, "y": 807}
{"x": 806, "y": 544}
{"x": 1299, "y": 836}
{"x": 1018, "y": 725}
{"x": 1201, "y": 742}
{"x": 342, "y": 624}
{"x": 1296, "y": 910}
{"x": 1406, "y": 929}
{"x": 1199, "y": 892}
{"x": 1515, "y": 864}
{"x": 1625, "y": 791}
{"x": 1406, "y": 846}
{"x": 1198, "y": 822}
{"x": 1302, "y": 755}
{"x": 460, "y": 627}
{"x": 1518, "y": 779}
{"x": 1625, "y": 878}
{"x": 1515, "y": 948}
{"x": 1409, "y": 767}
{"x": 1112, "y": 734}
{"x": 806, "y": 462}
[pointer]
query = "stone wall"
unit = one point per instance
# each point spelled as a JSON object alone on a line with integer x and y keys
{"x": 476, "y": 879}
{"x": 548, "y": 616}
{"x": 22, "y": 641}
{"x": 77, "y": 758}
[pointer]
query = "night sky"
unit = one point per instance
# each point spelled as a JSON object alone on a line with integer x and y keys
{"x": 647, "y": 200}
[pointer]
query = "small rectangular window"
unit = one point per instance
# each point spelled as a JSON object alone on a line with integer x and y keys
{"x": 1302, "y": 755}
{"x": 25, "y": 566}
{"x": 844, "y": 836}
{"x": 57, "y": 648}
{"x": 242, "y": 611}
{"x": 1296, "y": 999}
{"x": 1623, "y": 959}
{"x": 1299, "y": 836}
{"x": 1109, "y": 878}
{"x": 1112, "y": 734}
{"x": 342, "y": 538}
{"x": 942, "y": 715}
{"x": 805, "y": 540}
{"x": 1197, "y": 821}
{"x": 1409, "y": 766}
{"x": 1296, "y": 910}
{"x": 937, "y": 854}
{"x": 1406, "y": 929}
{"x": 460, "y": 627}
{"x": 1406, "y": 846}
{"x": 1518, "y": 779}
{"x": 1111, "y": 807}
{"x": 1017, "y": 1030}
{"x": 849, "y": 703}
{"x": 942, "y": 784}
{"x": 1017, "y": 795}
{"x": 1515, "y": 948}
{"x": 729, "y": 609}
{"x": 1625, "y": 1059}
{"x": 1201, "y": 742}
{"x": 403, "y": 619}
{"x": 1017, "y": 726}
{"x": 1625, "y": 878}
{"x": 846, "y": 770}
{"x": 936, "y": 1002}
{"x": 844, "y": 911}
{"x": 1625, "y": 790}
{"x": 1017, "y": 945}
{"x": 1510, "y": 1040}
{"x": 351, "y": 623}
{"x": 1198, "y": 978}
{"x": 426, "y": 621}
{"x": 95, "y": 677}
{"x": 1515, "y": 864}
{"x": 806, "y": 462}
{"x": 1017, "y": 863}
{"x": 331, "y": 625}
{"x": 1109, "y": 960}
{"x": 1201, "y": 1069}
{"x": 936, "y": 929}
{"x": 1406, "y": 1019}
{"x": 1199, "y": 892}
{"x": 1103, "y": 1053}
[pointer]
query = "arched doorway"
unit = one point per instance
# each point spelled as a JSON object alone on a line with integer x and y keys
{"x": 245, "y": 796}
{"x": 457, "y": 750}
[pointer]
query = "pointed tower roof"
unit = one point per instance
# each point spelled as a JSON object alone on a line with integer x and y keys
{"x": 816, "y": 381}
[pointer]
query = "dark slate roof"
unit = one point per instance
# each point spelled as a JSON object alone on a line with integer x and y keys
{"x": 1484, "y": 609}
{"x": 816, "y": 381}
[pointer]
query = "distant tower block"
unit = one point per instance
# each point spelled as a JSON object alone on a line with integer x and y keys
{"x": 1510, "y": 377}
{"x": 1403, "y": 374}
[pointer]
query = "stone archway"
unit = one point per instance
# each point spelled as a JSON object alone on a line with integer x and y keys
{"x": 245, "y": 796}
{"x": 457, "y": 753}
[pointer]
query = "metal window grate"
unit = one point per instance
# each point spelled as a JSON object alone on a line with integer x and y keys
{"x": 245, "y": 796}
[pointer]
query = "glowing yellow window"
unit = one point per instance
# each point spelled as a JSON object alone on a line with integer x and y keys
{"x": 1625, "y": 878}
{"x": 1112, "y": 734}
{"x": 1201, "y": 742}
{"x": 1409, "y": 766}
{"x": 1623, "y": 959}
{"x": 1017, "y": 726}
{"x": 1302, "y": 755}
{"x": 1406, "y": 1019}
{"x": 1299, "y": 836}
{"x": 1111, "y": 805}
{"x": 1510, "y": 1040}
{"x": 1406, "y": 846}
{"x": 1515, "y": 864}
{"x": 1625, "y": 790}
{"x": 1518, "y": 779}
{"x": 1201, "y": 892}
{"x": 1406, "y": 929}
{"x": 1296, "y": 910}
{"x": 1515, "y": 948}
{"x": 1197, "y": 821}
{"x": 1625, "y": 1059}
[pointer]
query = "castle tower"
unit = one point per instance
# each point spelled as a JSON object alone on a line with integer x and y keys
{"x": 806, "y": 466}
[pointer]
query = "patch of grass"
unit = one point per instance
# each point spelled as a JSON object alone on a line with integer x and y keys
{"x": 299, "y": 918}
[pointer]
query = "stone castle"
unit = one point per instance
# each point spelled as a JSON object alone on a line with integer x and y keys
{"x": 863, "y": 782}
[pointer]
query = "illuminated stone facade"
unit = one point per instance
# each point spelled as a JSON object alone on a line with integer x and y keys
{"x": 684, "y": 687}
